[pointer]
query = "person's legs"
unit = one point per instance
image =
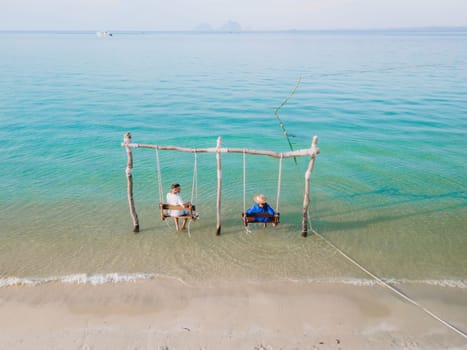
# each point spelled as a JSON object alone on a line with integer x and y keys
{"x": 184, "y": 223}
{"x": 176, "y": 223}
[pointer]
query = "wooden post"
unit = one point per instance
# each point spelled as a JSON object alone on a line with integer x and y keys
{"x": 219, "y": 186}
{"x": 306, "y": 197}
{"x": 129, "y": 176}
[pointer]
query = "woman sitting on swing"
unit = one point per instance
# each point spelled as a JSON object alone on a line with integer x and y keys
{"x": 261, "y": 207}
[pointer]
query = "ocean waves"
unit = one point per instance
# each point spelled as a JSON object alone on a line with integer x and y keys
{"x": 116, "y": 277}
{"x": 81, "y": 278}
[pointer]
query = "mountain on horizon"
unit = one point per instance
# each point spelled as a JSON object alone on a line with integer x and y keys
{"x": 229, "y": 26}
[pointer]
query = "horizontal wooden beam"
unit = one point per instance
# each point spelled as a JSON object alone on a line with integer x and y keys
{"x": 297, "y": 153}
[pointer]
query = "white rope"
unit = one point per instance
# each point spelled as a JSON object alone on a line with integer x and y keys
{"x": 279, "y": 184}
{"x": 194, "y": 185}
{"x": 244, "y": 181}
{"x": 188, "y": 229}
{"x": 394, "y": 290}
{"x": 194, "y": 188}
{"x": 247, "y": 229}
{"x": 159, "y": 177}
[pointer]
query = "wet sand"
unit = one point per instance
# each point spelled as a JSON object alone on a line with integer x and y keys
{"x": 167, "y": 314}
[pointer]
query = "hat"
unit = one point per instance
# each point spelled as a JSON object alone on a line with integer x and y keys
{"x": 260, "y": 199}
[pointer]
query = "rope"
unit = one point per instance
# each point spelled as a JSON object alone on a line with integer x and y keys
{"x": 194, "y": 188}
{"x": 159, "y": 181}
{"x": 247, "y": 229}
{"x": 394, "y": 290}
{"x": 194, "y": 185}
{"x": 279, "y": 183}
{"x": 159, "y": 176}
{"x": 244, "y": 181}
{"x": 188, "y": 229}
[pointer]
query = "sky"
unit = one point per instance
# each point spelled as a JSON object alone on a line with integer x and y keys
{"x": 180, "y": 15}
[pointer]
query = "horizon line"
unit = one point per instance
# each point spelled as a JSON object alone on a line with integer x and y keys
{"x": 463, "y": 27}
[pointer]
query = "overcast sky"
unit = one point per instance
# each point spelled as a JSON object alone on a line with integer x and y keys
{"x": 250, "y": 14}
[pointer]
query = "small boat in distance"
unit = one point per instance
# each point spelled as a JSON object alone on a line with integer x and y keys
{"x": 103, "y": 34}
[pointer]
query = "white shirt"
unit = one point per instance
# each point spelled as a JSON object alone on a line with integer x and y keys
{"x": 175, "y": 199}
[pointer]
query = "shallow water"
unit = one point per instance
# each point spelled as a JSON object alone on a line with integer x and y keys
{"x": 389, "y": 187}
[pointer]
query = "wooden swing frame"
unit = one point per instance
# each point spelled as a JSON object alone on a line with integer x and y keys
{"x": 218, "y": 150}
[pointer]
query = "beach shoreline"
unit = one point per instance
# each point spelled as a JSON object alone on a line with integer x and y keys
{"x": 387, "y": 191}
{"x": 167, "y": 314}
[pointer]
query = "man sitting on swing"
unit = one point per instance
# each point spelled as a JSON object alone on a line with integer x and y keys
{"x": 174, "y": 198}
{"x": 261, "y": 207}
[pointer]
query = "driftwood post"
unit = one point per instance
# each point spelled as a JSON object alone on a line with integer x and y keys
{"x": 219, "y": 186}
{"x": 129, "y": 176}
{"x": 306, "y": 197}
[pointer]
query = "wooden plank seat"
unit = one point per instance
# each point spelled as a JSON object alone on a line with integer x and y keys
{"x": 164, "y": 207}
{"x": 249, "y": 218}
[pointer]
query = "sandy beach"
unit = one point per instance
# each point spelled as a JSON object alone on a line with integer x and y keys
{"x": 167, "y": 314}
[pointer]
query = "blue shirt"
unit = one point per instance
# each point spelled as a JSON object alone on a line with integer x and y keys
{"x": 264, "y": 209}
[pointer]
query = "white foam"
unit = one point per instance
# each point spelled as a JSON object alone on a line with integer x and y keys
{"x": 98, "y": 279}
{"x": 81, "y": 278}
{"x": 16, "y": 281}
{"x": 441, "y": 283}
{"x": 362, "y": 282}
{"x": 106, "y": 278}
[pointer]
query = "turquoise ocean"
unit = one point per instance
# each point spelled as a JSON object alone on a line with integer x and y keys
{"x": 389, "y": 187}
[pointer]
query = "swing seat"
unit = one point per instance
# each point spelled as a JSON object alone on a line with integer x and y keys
{"x": 250, "y": 218}
{"x": 190, "y": 209}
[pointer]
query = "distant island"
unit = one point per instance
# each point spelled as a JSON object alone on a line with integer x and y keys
{"x": 230, "y": 26}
